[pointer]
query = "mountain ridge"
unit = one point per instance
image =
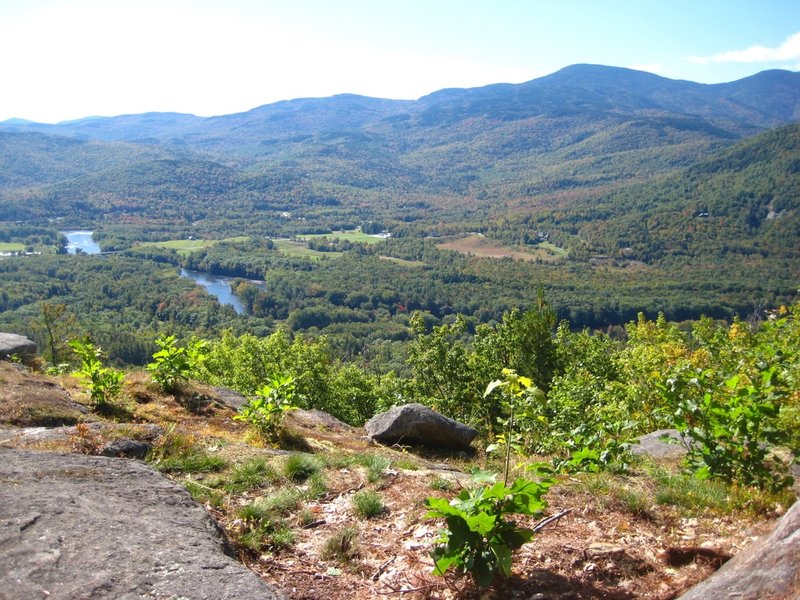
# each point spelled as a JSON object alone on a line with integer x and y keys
{"x": 589, "y": 78}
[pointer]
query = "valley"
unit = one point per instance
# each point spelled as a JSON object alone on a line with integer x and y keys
{"x": 565, "y": 265}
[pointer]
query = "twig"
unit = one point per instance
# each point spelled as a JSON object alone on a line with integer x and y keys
{"x": 314, "y": 524}
{"x": 544, "y": 523}
{"x": 408, "y": 590}
{"x": 382, "y": 568}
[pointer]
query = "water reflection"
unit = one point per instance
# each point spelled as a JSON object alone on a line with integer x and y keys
{"x": 219, "y": 286}
{"x": 81, "y": 240}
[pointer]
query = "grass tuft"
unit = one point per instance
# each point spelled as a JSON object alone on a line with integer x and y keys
{"x": 368, "y": 504}
{"x": 254, "y": 473}
{"x": 341, "y": 546}
{"x": 178, "y": 453}
{"x": 299, "y": 467}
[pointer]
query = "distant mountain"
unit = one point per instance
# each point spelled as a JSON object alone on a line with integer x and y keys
{"x": 764, "y": 100}
{"x": 576, "y": 135}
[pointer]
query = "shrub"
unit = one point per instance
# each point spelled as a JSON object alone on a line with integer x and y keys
{"x": 173, "y": 364}
{"x": 104, "y": 384}
{"x": 732, "y": 426}
{"x": 265, "y": 410}
{"x": 479, "y": 538}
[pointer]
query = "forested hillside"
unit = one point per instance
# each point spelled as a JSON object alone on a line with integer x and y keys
{"x": 615, "y": 191}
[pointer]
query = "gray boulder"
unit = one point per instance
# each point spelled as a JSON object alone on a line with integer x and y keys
{"x": 418, "y": 425}
{"x": 88, "y": 527}
{"x": 12, "y": 344}
{"x": 766, "y": 568}
{"x": 661, "y": 444}
{"x": 229, "y": 397}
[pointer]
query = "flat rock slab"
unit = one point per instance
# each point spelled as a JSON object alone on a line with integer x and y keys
{"x": 769, "y": 568}
{"x": 88, "y": 527}
{"x": 418, "y": 425}
{"x": 12, "y": 344}
{"x": 28, "y": 399}
{"x": 315, "y": 419}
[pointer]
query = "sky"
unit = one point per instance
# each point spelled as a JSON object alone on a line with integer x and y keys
{"x": 69, "y": 59}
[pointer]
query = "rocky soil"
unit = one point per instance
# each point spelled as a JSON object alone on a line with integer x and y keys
{"x": 76, "y": 525}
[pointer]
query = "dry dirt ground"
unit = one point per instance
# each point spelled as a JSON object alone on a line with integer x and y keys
{"x": 614, "y": 540}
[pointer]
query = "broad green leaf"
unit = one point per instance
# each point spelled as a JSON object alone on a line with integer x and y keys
{"x": 503, "y": 554}
{"x": 481, "y": 523}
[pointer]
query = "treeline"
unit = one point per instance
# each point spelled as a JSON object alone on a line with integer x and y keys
{"x": 362, "y": 299}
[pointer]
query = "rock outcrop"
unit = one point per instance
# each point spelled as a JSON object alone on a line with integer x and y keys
{"x": 661, "y": 444}
{"x": 31, "y": 400}
{"x": 769, "y": 568}
{"x": 418, "y": 425}
{"x": 79, "y": 527}
{"x": 12, "y": 344}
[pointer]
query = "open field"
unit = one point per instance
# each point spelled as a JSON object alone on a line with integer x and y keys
{"x": 11, "y": 247}
{"x": 292, "y": 248}
{"x": 403, "y": 261}
{"x": 484, "y": 247}
{"x": 188, "y": 246}
{"x": 351, "y": 236}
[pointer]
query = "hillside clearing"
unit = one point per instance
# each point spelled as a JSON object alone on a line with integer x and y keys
{"x": 478, "y": 245}
{"x": 187, "y": 246}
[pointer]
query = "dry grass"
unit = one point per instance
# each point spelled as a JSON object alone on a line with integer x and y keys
{"x": 619, "y": 541}
{"x": 483, "y": 247}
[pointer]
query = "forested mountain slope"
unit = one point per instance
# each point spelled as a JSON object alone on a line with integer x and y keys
{"x": 463, "y": 153}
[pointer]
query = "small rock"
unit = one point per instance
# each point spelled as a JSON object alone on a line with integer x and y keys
{"x": 126, "y": 449}
{"x": 602, "y": 550}
{"x": 230, "y": 397}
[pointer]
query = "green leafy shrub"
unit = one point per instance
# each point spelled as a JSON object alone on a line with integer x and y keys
{"x": 732, "y": 427}
{"x": 368, "y": 504}
{"x": 104, "y": 384}
{"x": 173, "y": 364}
{"x": 480, "y": 538}
{"x": 265, "y": 410}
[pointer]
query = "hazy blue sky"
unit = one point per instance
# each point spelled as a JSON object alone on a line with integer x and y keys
{"x": 65, "y": 59}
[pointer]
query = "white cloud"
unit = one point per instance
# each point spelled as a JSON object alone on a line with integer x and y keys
{"x": 788, "y": 50}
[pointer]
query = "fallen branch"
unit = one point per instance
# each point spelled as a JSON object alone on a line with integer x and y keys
{"x": 407, "y": 590}
{"x": 316, "y": 523}
{"x": 382, "y": 568}
{"x": 544, "y": 523}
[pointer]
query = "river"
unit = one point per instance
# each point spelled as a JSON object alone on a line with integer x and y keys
{"x": 220, "y": 286}
{"x": 216, "y": 285}
{"x": 81, "y": 240}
